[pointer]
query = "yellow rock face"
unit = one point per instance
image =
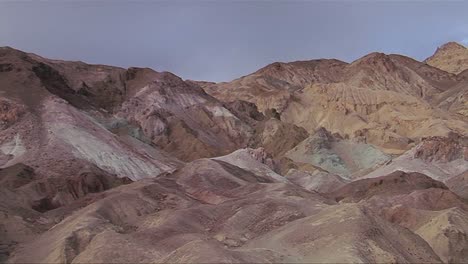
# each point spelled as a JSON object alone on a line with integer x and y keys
{"x": 450, "y": 57}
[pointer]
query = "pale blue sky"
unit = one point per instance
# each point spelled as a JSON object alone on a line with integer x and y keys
{"x": 222, "y": 40}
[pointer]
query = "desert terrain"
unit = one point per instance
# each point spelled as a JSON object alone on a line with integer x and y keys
{"x": 318, "y": 161}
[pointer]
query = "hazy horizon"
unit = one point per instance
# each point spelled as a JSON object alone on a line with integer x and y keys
{"x": 223, "y": 40}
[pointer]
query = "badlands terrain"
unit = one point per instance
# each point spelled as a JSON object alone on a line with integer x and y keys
{"x": 317, "y": 161}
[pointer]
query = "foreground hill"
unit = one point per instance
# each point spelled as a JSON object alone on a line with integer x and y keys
{"x": 176, "y": 219}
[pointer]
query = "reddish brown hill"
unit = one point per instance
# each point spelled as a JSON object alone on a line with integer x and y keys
{"x": 419, "y": 203}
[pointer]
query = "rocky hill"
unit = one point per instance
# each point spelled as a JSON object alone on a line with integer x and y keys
{"x": 451, "y": 57}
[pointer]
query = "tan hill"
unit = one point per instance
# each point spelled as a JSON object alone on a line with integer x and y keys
{"x": 450, "y": 57}
{"x": 386, "y": 99}
{"x": 387, "y": 119}
{"x": 271, "y": 86}
{"x": 396, "y": 73}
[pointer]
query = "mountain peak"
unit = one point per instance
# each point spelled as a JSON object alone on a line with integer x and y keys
{"x": 9, "y": 50}
{"x": 451, "y": 57}
{"x": 6, "y": 48}
{"x": 372, "y": 58}
{"x": 451, "y": 46}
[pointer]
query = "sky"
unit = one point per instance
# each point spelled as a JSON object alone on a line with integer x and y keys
{"x": 222, "y": 40}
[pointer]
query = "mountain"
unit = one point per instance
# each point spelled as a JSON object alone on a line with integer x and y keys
{"x": 309, "y": 161}
{"x": 271, "y": 86}
{"x": 389, "y": 100}
{"x": 450, "y": 57}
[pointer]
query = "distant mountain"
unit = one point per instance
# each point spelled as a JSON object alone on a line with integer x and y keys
{"x": 450, "y": 57}
{"x": 388, "y": 100}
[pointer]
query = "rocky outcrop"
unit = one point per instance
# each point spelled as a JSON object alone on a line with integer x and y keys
{"x": 438, "y": 157}
{"x": 245, "y": 111}
{"x": 16, "y": 176}
{"x": 277, "y": 137}
{"x": 10, "y": 112}
{"x": 443, "y": 149}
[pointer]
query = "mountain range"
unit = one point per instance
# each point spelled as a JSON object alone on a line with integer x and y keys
{"x": 317, "y": 161}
